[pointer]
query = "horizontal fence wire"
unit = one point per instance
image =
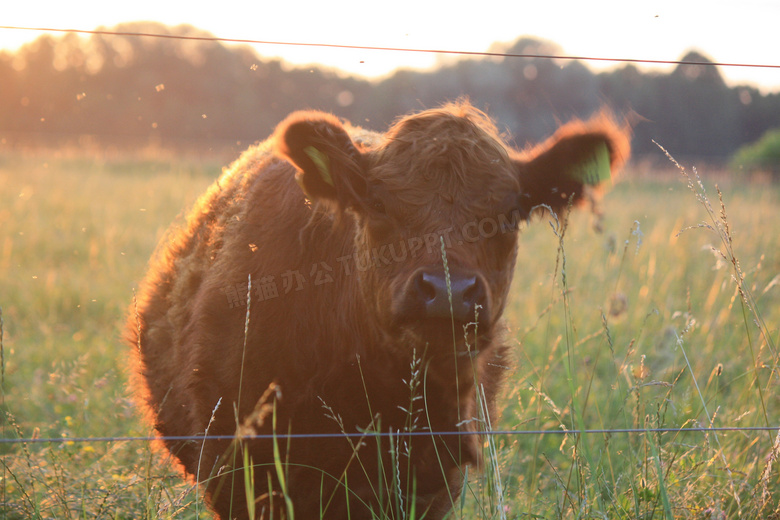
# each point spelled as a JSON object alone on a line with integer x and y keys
{"x": 392, "y": 49}
{"x": 184, "y": 438}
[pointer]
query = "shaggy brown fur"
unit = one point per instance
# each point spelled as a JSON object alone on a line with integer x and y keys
{"x": 341, "y": 232}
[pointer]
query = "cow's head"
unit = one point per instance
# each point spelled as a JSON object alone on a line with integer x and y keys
{"x": 437, "y": 203}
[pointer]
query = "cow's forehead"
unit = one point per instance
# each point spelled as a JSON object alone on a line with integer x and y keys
{"x": 443, "y": 157}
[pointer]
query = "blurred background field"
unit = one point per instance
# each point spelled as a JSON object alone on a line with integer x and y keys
{"x": 603, "y": 349}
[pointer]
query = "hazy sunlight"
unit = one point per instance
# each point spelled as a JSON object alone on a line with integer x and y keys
{"x": 662, "y": 30}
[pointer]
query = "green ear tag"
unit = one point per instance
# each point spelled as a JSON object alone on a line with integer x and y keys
{"x": 321, "y": 161}
{"x": 595, "y": 169}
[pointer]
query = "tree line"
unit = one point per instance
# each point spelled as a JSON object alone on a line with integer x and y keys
{"x": 127, "y": 91}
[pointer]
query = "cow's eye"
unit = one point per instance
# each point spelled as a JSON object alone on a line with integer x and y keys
{"x": 378, "y": 206}
{"x": 374, "y": 199}
{"x": 522, "y": 210}
{"x": 515, "y": 214}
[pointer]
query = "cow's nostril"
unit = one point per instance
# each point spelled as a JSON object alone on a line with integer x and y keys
{"x": 426, "y": 287}
{"x": 470, "y": 291}
{"x": 474, "y": 293}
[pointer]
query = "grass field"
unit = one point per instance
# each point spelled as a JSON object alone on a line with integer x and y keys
{"x": 639, "y": 326}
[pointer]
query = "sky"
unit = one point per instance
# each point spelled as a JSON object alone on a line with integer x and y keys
{"x": 733, "y": 31}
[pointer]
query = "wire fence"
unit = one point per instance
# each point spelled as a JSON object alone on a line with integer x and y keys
{"x": 485, "y": 54}
{"x": 361, "y": 435}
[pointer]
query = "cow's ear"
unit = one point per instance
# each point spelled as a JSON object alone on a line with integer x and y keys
{"x": 329, "y": 165}
{"x": 580, "y": 156}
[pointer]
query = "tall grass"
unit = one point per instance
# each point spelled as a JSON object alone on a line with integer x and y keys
{"x": 667, "y": 319}
{"x": 653, "y": 341}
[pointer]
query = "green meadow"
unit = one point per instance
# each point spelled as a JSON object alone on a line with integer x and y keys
{"x": 662, "y": 314}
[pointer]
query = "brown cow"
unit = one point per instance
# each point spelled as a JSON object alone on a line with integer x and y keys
{"x": 380, "y": 266}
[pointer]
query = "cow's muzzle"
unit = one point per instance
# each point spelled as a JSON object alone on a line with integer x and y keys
{"x": 430, "y": 294}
